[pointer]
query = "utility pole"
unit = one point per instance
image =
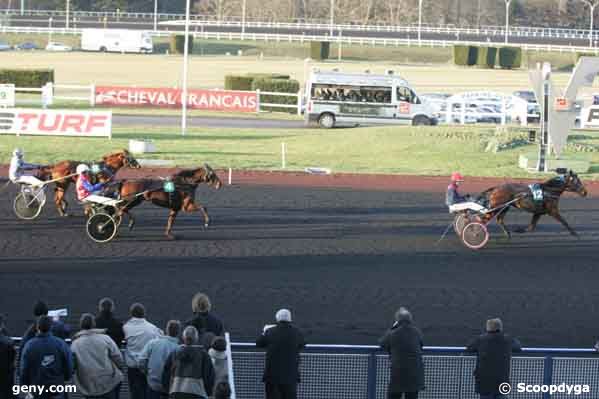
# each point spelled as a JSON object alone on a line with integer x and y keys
{"x": 68, "y": 12}
{"x": 155, "y": 15}
{"x": 185, "y": 61}
{"x": 332, "y": 21}
{"x": 507, "y": 19}
{"x": 419, "y": 20}
{"x": 592, "y": 6}
{"x": 243, "y": 12}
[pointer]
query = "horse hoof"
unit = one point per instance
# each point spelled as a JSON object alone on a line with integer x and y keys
{"x": 206, "y": 225}
{"x": 171, "y": 237}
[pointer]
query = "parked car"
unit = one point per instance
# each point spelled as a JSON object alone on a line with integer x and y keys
{"x": 4, "y": 47}
{"x": 26, "y": 46}
{"x": 526, "y": 95}
{"x": 55, "y": 46}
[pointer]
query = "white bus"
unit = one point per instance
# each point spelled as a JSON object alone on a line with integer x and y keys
{"x": 335, "y": 98}
{"x": 117, "y": 40}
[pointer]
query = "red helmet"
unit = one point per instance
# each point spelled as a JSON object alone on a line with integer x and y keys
{"x": 456, "y": 177}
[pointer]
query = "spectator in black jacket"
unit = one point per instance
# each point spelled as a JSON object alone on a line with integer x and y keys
{"x": 404, "y": 344}
{"x": 58, "y": 328}
{"x": 106, "y": 320}
{"x": 7, "y": 362}
{"x": 203, "y": 320}
{"x": 494, "y": 356}
{"x": 283, "y": 343}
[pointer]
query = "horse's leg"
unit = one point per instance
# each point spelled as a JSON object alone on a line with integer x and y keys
{"x": 560, "y": 219}
{"x": 501, "y": 224}
{"x": 191, "y": 206}
{"x": 533, "y": 222}
{"x": 169, "y": 225}
{"x": 59, "y": 201}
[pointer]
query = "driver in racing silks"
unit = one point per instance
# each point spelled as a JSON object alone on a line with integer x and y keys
{"x": 18, "y": 167}
{"x": 85, "y": 188}
{"x": 455, "y": 201}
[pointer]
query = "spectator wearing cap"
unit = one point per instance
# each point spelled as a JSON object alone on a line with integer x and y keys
{"x": 222, "y": 390}
{"x": 153, "y": 358}
{"x": 404, "y": 344}
{"x": 98, "y": 361}
{"x": 494, "y": 356}
{"x": 203, "y": 319}
{"x": 218, "y": 354}
{"x": 46, "y": 360}
{"x": 283, "y": 343}
{"x": 8, "y": 356}
{"x": 138, "y": 332}
{"x": 107, "y": 321}
{"x": 188, "y": 372}
{"x": 58, "y": 328}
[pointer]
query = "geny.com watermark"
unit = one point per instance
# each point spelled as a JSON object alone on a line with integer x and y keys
{"x": 568, "y": 389}
{"x": 38, "y": 390}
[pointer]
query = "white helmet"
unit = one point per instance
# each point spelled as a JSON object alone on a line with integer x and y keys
{"x": 82, "y": 168}
{"x": 17, "y": 152}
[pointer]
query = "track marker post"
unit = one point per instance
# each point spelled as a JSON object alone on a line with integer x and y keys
{"x": 230, "y": 175}
{"x": 283, "y": 155}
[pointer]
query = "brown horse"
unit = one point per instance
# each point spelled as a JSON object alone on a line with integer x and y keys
{"x": 134, "y": 192}
{"x": 551, "y": 189}
{"x": 109, "y": 166}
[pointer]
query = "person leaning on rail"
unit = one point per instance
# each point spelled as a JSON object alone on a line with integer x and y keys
{"x": 493, "y": 359}
{"x": 404, "y": 344}
{"x": 105, "y": 319}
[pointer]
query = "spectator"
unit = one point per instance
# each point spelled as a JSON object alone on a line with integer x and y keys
{"x": 46, "y": 359}
{"x": 222, "y": 391}
{"x": 98, "y": 361}
{"x": 188, "y": 372}
{"x": 494, "y": 356}
{"x": 218, "y": 354}
{"x": 283, "y": 343}
{"x": 404, "y": 344}
{"x": 58, "y": 329}
{"x": 138, "y": 332}
{"x": 8, "y": 356}
{"x": 153, "y": 358}
{"x": 106, "y": 320}
{"x": 203, "y": 320}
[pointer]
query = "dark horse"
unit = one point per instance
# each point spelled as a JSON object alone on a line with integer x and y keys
{"x": 134, "y": 192}
{"x": 552, "y": 190}
{"x": 109, "y": 165}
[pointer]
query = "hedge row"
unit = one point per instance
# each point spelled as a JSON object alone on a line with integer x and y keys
{"x": 320, "y": 50}
{"x": 177, "y": 44}
{"x": 487, "y": 57}
{"x": 277, "y": 86}
{"x": 27, "y": 77}
{"x": 244, "y": 82}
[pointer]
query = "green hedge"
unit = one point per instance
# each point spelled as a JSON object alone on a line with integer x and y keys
{"x": 269, "y": 75}
{"x": 27, "y": 77}
{"x": 510, "y": 57}
{"x": 238, "y": 82}
{"x": 280, "y": 86}
{"x": 578, "y": 55}
{"x": 465, "y": 55}
{"x": 486, "y": 57}
{"x": 319, "y": 50}
{"x": 177, "y": 44}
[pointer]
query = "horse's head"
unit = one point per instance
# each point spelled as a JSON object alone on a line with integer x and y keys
{"x": 212, "y": 178}
{"x": 119, "y": 159}
{"x": 203, "y": 174}
{"x": 574, "y": 184}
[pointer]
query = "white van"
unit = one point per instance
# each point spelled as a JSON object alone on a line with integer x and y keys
{"x": 116, "y": 40}
{"x": 334, "y": 98}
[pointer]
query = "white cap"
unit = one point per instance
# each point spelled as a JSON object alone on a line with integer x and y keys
{"x": 17, "y": 152}
{"x": 283, "y": 315}
{"x": 82, "y": 168}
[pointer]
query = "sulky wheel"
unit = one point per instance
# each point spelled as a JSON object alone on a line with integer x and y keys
{"x": 101, "y": 227}
{"x": 459, "y": 222}
{"x": 27, "y": 206}
{"x": 475, "y": 235}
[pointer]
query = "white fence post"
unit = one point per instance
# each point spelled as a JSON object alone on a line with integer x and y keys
{"x": 257, "y": 101}
{"x": 299, "y": 102}
{"x": 463, "y": 113}
{"x": 230, "y": 365}
{"x": 283, "y": 155}
{"x": 92, "y": 95}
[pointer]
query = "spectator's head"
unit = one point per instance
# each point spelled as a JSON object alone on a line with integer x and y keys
{"x": 87, "y": 321}
{"x": 106, "y": 305}
{"x": 494, "y": 325}
{"x": 403, "y": 315}
{"x": 201, "y": 303}
{"x": 173, "y": 328}
{"x": 283, "y": 315}
{"x": 137, "y": 310}
{"x": 44, "y": 323}
{"x": 40, "y": 309}
{"x": 222, "y": 390}
{"x": 190, "y": 335}
{"x": 219, "y": 344}
{"x": 2, "y": 324}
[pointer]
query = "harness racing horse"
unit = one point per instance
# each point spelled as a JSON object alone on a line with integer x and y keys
{"x": 181, "y": 199}
{"x": 523, "y": 198}
{"x": 65, "y": 171}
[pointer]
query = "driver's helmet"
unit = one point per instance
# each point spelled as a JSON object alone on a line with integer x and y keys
{"x": 456, "y": 177}
{"x": 82, "y": 168}
{"x": 17, "y": 152}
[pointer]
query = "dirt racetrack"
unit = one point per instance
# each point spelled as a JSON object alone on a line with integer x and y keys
{"x": 342, "y": 259}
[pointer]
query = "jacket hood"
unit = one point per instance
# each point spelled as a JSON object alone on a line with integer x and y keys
{"x": 92, "y": 331}
{"x": 217, "y": 354}
{"x": 187, "y": 353}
